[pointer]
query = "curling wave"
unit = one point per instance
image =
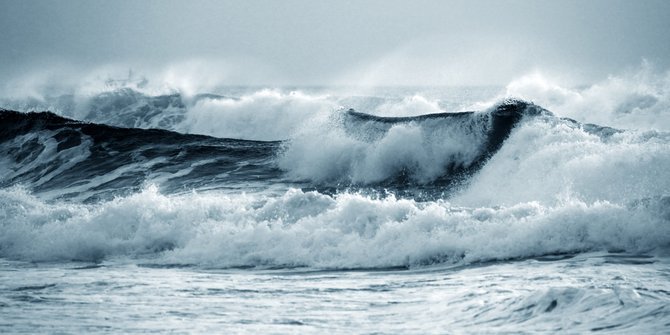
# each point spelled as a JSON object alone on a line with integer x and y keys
{"x": 444, "y": 147}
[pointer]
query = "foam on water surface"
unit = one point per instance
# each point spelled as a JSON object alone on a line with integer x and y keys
{"x": 409, "y": 207}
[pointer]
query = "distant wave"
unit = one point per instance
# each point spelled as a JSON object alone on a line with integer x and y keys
{"x": 122, "y": 107}
{"x": 638, "y": 98}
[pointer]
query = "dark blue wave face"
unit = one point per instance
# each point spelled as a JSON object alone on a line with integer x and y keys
{"x": 54, "y": 155}
{"x": 490, "y": 129}
{"x": 51, "y": 153}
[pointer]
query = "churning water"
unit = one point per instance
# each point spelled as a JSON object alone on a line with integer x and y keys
{"x": 401, "y": 210}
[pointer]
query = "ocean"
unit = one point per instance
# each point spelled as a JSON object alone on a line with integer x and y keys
{"x": 524, "y": 208}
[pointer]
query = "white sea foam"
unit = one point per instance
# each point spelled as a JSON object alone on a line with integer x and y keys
{"x": 637, "y": 99}
{"x": 548, "y": 160}
{"x": 261, "y": 115}
{"x": 409, "y": 106}
{"x": 361, "y": 152}
{"x": 311, "y": 229}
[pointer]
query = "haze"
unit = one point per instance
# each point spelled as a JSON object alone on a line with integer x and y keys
{"x": 336, "y": 42}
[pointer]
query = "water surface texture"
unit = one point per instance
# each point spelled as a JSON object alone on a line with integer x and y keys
{"x": 337, "y": 210}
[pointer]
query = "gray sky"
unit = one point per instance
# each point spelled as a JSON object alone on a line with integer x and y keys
{"x": 339, "y": 42}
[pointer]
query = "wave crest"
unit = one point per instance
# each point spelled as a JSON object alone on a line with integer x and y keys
{"x": 361, "y": 148}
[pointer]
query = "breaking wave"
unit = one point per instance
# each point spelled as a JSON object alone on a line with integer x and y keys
{"x": 321, "y": 178}
{"x": 52, "y": 153}
{"x": 637, "y": 99}
{"x": 312, "y": 229}
{"x": 363, "y": 148}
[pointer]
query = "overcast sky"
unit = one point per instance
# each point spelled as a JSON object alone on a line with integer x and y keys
{"x": 339, "y": 42}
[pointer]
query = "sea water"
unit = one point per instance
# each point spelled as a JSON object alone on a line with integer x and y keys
{"x": 525, "y": 208}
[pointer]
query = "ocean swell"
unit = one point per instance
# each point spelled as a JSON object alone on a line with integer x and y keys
{"x": 67, "y": 158}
